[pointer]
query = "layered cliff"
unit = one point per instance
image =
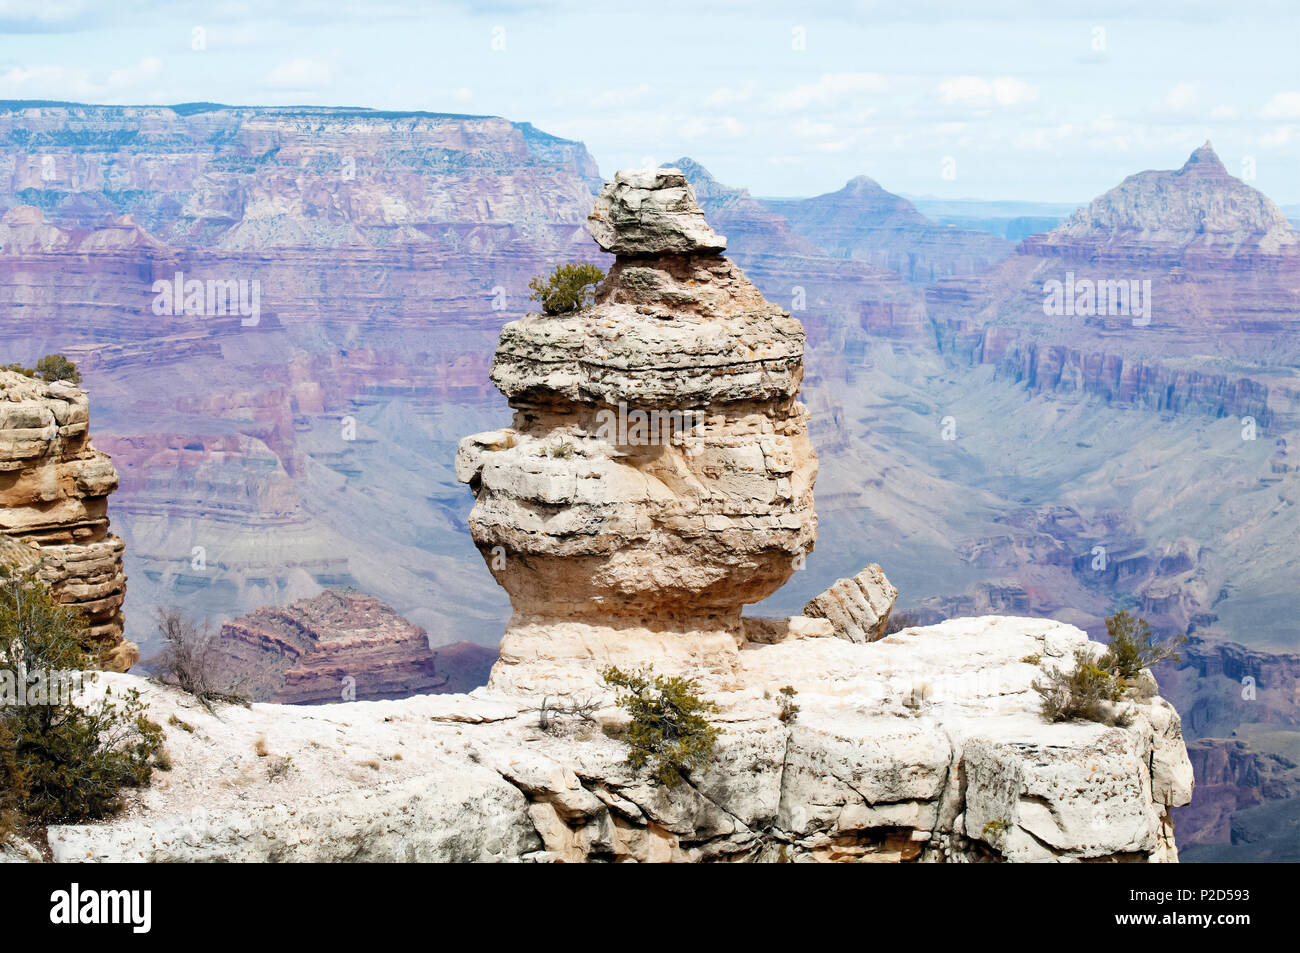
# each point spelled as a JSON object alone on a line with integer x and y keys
{"x": 1173, "y": 291}
{"x": 54, "y": 489}
{"x": 865, "y": 222}
{"x": 341, "y": 645}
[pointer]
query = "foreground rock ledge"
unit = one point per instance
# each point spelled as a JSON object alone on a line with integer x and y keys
{"x": 924, "y": 746}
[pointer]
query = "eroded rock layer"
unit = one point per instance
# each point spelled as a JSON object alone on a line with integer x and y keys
{"x": 337, "y": 646}
{"x": 925, "y": 746}
{"x": 658, "y": 473}
{"x": 54, "y": 489}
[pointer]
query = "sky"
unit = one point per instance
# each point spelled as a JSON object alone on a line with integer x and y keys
{"x": 1049, "y": 101}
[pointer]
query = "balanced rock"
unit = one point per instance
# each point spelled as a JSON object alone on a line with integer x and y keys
{"x": 858, "y": 608}
{"x": 54, "y": 489}
{"x": 658, "y": 473}
{"x": 651, "y": 212}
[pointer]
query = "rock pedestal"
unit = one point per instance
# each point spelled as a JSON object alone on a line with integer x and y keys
{"x": 658, "y": 473}
{"x": 54, "y": 489}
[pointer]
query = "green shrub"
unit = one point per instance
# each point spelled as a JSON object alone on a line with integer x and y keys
{"x": 669, "y": 730}
{"x": 13, "y": 783}
{"x": 1091, "y": 689}
{"x": 1088, "y": 691}
{"x": 1133, "y": 646}
{"x": 56, "y": 367}
{"x": 993, "y": 828}
{"x": 568, "y": 288}
{"x": 50, "y": 368}
{"x": 60, "y": 759}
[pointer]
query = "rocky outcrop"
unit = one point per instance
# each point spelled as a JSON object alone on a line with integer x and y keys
{"x": 925, "y": 746}
{"x": 1199, "y": 204}
{"x": 54, "y": 488}
{"x": 857, "y": 608}
{"x": 1174, "y": 291}
{"x": 658, "y": 474}
{"x": 864, "y": 221}
{"x": 1231, "y": 777}
{"x": 340, "y": 645}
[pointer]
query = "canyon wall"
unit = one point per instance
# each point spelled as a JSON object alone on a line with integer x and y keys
{"x": 54, "y": 489}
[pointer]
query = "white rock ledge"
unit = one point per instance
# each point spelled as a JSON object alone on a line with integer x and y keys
{"x": 926, "y": 745}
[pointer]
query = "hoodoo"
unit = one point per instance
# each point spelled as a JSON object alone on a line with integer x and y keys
{"x": 636, "y": 540}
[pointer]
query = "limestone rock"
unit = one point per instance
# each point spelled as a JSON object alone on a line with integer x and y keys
{"x": 658, "y": 474}
{"x": 924, "y": 746}
{"x": 858, "y": 608}
{"x": 651, "y": 212}
{"x": 54, "y": 489}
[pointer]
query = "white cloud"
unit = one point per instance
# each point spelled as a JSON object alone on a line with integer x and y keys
{"x": 830, "y": 88}
{"x": 147, "y": 70}
{"x": 808, "y": 129}
{"x": 1283, "y": 106}
{"x": 61, "y": 82}
{"x": 1280, "y": 136}
{"x": 1183, "y": 96}
{"x": 1224, "y": 112}
{"x": 729, "y": 96}
{"x": 698, "y": 126}
{"x": 300, "y": 73}
{"x": 622, "y": 97}
{"x": 975, "y": 91}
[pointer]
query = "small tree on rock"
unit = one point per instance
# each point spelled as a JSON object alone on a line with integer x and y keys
{"x": 669, "y": 730}
{"x": 56, "y": 367}
{"x": 567, "y": 288}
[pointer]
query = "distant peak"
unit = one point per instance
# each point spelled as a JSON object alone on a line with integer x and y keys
{"x": 692, "y": 169}
{"x": 862, "y": 183}
{"x": 1204, "y": 159}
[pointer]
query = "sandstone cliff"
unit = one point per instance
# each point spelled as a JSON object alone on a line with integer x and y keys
{"x": 1213, "y": 330}
{"x": 658, "y": 473}
{"x": 54, "y": 488}
{"x": 341, "y": 645}
{"x": 627, "y": 538}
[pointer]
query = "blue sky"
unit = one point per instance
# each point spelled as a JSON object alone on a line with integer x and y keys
{"x": 1044, "y": 101}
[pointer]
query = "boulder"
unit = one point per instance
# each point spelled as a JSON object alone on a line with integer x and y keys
{"x": 858, "y": 608}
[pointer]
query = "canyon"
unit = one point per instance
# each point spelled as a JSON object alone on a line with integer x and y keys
{"x": 925, "y": 745}
{"x": 1092, "y": 465}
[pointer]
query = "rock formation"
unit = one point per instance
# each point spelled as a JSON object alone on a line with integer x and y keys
{"x": 658, "y": 474}
{"x": 54, "y": 489}
{"x": 341, "y": 645}
{"x": 926, "y": 746}
{"x": 865, "y": 222}
{"x": 1214, "y": 262}
{"x": 857, "y": 608}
